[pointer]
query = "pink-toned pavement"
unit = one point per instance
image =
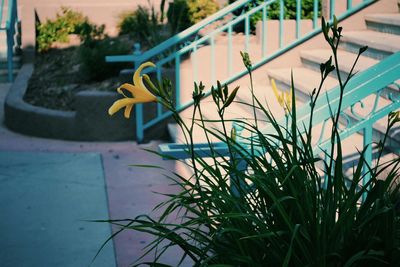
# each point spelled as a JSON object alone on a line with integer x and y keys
{"x": 129, "y": 189}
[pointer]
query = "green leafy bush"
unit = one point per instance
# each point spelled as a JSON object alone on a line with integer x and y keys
{"x": 57, "y": 30}
{"x": 288, "y": 216}
{"x": 92, "y": 55}
{"x": 184, "y": 13}
{"x": 273, "y": 11}
{"x": 138, "y": 22}
{"x": 307, "y": 9}
{"x": 142, "y": 24}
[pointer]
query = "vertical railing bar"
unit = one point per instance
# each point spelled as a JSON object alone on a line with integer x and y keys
{"x": 159, "y": 79}
{"x": 139, "y": 123}
{"x": 298, "y": 18}
{"x": 10, "y": 55}
{"x": 139, "y": 116}
{"x": 349, "y": 4}
{"x": 212, "y": 59}
{"x": 247, "y": 32}
{"x": 229, "y": 50}
{"x": 281, "y": 10}
{"x": 315, "y": 15}
{"x": 1, "y": 12}
{"x": 10, "y": 32}
{"x": 326, "y": 175}
{"x": 195, "y": 68}
{"x": 331, "y": 9}
{"x": 177, "y": 80}
{"x": 367, "y": 143}
{"x": 264, "y": 33}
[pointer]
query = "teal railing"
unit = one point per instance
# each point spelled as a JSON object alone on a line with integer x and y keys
{"x": 189, "y": 43}
{"x": 369, "y": 83}
{"x": 8, "y": 26}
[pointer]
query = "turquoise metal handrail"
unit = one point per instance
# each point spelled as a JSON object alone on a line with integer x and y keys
{"x": 9, "y": 28}
{"x": 188, "y": 43}
{"x": 370, "y": 82}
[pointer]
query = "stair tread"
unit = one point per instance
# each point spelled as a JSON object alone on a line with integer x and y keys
{"x": 15, "y": 58}
{"x": 5, "y": 71}
{"x": 305, "y": 79}
{"x": 387, "y": 18}
{"x": 346, "y": 59}
{"x": 377, "y": 40}
{"x": 235, "y": 111}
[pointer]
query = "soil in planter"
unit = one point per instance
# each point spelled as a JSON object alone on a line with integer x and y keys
{"x": 57, "y": 77}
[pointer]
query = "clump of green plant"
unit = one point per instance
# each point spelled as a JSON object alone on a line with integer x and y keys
{"x": 184, "y": 13}
{"x": 289, "y": 10}
{"x": 262, "y": 201}
{"x": 57, "y": 30}
{"x": 143, "y": 24}
{"x": 148, "y": 27}
{"x": 92, "y": 55}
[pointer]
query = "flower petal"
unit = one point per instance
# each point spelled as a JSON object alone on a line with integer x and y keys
{"x": 121, "y": 103}
{"x": 140, "y": 94}
{"x": 129, "y": 87}
{"x": 137, "y": 79}
{"x": 127, "y": 112}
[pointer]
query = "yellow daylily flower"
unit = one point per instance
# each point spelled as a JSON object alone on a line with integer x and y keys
{"x": 138, "y": 90}
{"x": 284, "y": 98}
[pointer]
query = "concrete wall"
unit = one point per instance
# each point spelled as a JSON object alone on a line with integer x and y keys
{"x": 90, "y": 121}
{"x": 99, "y": 11}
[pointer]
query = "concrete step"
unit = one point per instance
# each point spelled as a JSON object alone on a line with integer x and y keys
{"x": 388, "y": 23}
{"x": 17, "y": 60}
{"x": 239, "y": 109}
{"x": 380, "y": 45}
{"x": 4, "y": 75}
{"x": 312, "y": 59}
{"x": 306, "y": 80}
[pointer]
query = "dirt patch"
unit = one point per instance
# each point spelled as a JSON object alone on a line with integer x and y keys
{"x": 57, "y": 78}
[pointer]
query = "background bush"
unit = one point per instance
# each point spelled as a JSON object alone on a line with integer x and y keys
{"x": 307, "y": 10}
{"x": 57, "y": 30}
{"x": 184, "y": 13}
{"x": 92, "y": 55}
{"x": 138, "y": 23}
{"x": 147, "y": 26}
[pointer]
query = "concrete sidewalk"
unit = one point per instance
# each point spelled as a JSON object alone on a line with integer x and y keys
{"x": 129, "y": 189}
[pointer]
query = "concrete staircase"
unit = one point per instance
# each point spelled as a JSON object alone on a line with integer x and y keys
{"x": 17, "y": 58}
{"x": 383, "y": 38}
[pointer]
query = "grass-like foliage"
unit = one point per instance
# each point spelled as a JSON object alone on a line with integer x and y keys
{"x": 265, "y": 203}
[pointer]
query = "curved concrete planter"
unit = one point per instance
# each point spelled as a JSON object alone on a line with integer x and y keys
{"x": 90, "y": 121}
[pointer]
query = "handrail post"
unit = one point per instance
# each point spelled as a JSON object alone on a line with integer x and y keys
{"x": 10, "y": 31}
{"x": 298, "y": 18}
{"x": 138, "y": 107}
{"x": 10, "y": 62}
{"x": 349, "y": 4}
{"x": 331, "y": 9}
{"x": 367, "y": 143}
{"x": 281, "y": 17}
{"x": 315, "y": 17}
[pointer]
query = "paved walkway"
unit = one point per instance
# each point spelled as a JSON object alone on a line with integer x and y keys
{"x": 129, "y": 189}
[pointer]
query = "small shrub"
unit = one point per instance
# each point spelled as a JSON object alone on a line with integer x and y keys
{"x": 89, "y": 32}
{"x": 184, "y": 13}
{"x": 142, "y": 24}
{"x": 273, "y": 11}
{"x": 92, "y": 57}
{"x": 57, "y": 30}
